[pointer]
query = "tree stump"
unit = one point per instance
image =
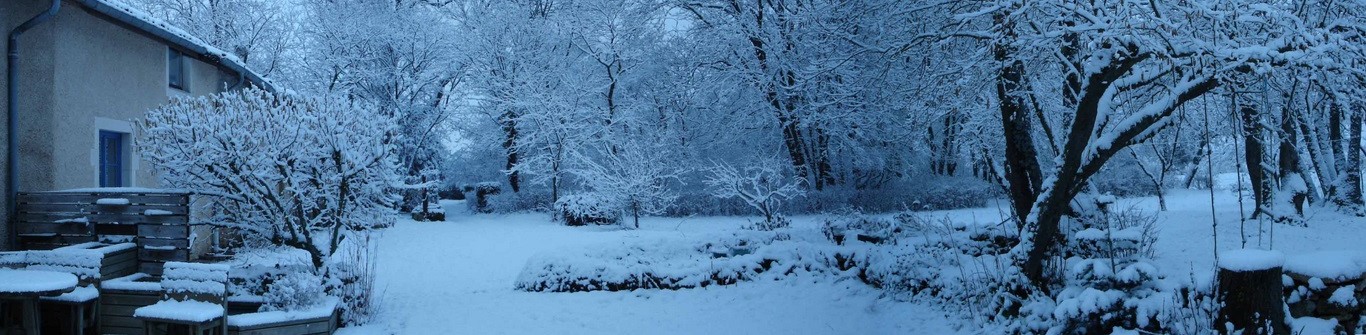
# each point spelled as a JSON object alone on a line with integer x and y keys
{"x": 1250, "y": 289}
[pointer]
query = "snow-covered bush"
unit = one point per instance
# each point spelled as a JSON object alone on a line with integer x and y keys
{"x": 294, "y": 291}
{"x": 354, "y": 268}
{"x": 478, "y": 195}
{"x": 286, "y": 169}
{"x": 636, "y": 171}
{"x": 762, "y": 185}
{"x": 852, "y": 224}
{"x": 588, "y": 208}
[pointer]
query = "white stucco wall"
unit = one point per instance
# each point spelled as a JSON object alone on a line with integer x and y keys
{"x": 80, "y": 74}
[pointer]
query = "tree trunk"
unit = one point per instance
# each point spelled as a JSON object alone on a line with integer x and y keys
{"x": 1022, "y": 172}
{"x": 1255, "y": 157}
{"x": 1204, "y": 153}
{"x": 1289, "y": 163}
{"x": 1351, "y": 184}
{"x": 509, "y": 123}
{"x": 1251, "y": 300}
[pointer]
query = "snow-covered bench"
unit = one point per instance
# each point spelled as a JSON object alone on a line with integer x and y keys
{"x": 193, "y": 295}
{"x": 84, "y": 264}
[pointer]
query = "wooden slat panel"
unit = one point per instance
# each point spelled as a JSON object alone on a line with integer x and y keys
{"x": 120, "y": 330}
{"x": 71, "y": 228}
{"x": 138, "y": 218}
{"x": 150, "y": 267}
{"x": 120, "y": 269}
{"x": 116, "y": 229}
{"x": 100, "y": 209}
{"x": 178, "y": 243}
{"x": 119, "y": 257}
{"x": 90, "y": 198}
{"x": 140, "y": 209}
{"x": 163, "y": 231}
{"x": 53, "y": 242}
{"x": 288, "y": 329}
{"x": 120, "y": 320}
{"x": 56, "y": 208}
{"x": 49, "y": 217}
{"x": 179, "y": 255}
{"x": 130, "y": 299}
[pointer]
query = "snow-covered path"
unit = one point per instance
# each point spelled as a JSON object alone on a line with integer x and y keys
{"x": 457, "y": 277}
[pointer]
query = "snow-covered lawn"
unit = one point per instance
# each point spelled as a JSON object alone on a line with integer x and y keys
{"x": 458, "y": 277}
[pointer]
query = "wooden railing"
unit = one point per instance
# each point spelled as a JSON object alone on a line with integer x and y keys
{"x": 158, "y": 221}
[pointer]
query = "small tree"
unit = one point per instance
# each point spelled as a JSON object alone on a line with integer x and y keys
{"x": 636, "y": 173}
{"x": 292, "y": 171}
{"x": 763, "y": 185}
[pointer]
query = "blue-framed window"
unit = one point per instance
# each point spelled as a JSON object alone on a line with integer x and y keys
{"x": 111, "y": 158}
{"x": 175, "y": 69}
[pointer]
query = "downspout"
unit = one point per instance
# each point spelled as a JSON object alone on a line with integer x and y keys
{"x": 12, "y": 126}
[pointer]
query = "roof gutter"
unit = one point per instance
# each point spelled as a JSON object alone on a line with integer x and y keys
{"x": 161, "y": 33}
{"x": 12, "y": 114}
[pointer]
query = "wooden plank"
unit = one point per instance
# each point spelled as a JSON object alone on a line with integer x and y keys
{"x": 120, "y": 320}
{"x": 55, "y": 208}
{"x": 129, "y": 219}
{"x": 286, "y": 328}
{"x": 70, "y": 228}
{"x": 120, "y": 330}
{"x": 180, "y": 255}
{"x": 163, "y": 231}
{"x": 48, "y": 217}
{"x": 120, "y": 269}
{"x": 100, "y": 209}
{"x": 178, "y": 243}
{"x": 119, "y": 257}
{"x": 90, "y": 198}
{"x": 116, "y": 229}
{"x": 53, "y": 242}
{"x": 127, "y": 300}
{"x": 142, "y": 209}
{"x": 150, "y": 267}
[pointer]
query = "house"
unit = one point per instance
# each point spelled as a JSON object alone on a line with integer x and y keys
{"x": 84, "y": 69}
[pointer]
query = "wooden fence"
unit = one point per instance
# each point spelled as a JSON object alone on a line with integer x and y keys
{"x": 158, "y": 221}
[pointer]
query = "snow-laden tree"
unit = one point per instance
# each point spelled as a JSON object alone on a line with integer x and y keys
{"x": 262, "y": 33}
{"x": 1118, "y": 70}
{"x": 288, "y": 170}
{"x": 763, "y": 185}
{"x": 638, "y": 173}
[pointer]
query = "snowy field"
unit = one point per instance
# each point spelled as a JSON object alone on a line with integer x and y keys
{"x": 458, "y": 276}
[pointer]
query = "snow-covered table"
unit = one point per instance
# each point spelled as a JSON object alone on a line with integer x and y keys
{"x": 26, "y": 286}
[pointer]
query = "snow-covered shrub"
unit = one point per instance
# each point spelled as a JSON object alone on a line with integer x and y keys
{"x": 677, "y": 263}
{"x": 289, "y": 170}
{"x": 479, "y": 194}
{"x": 669, "y": 263}
{"x": 852, "y": 224}
{"x": 588, "y": 208}
{"x": 777, "y": 222}
{"x": 638, "y": 171}
{"x": 353, "y": 270}
{"x": 1110, "y": 284}
{"x": 1125, "y": 233}
{"x": 293, "y": 291}
{"x": 763, "y": 185}
{"x": 940, "y": 193}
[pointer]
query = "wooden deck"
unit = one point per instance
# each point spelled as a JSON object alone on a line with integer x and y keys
{"x": 158, "y": 221}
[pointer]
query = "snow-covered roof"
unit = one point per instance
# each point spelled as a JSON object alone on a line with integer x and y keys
{"x": 137, "y": 19}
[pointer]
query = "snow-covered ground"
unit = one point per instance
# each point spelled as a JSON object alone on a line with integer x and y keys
{"x": 458, "y": 276}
